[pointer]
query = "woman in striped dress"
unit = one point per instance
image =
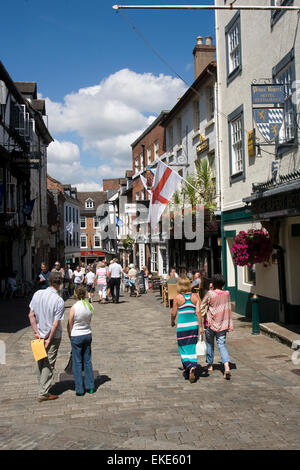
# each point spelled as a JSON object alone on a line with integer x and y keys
{"x": 189, "y": 325}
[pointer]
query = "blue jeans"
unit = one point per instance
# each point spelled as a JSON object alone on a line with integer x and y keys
{"x": 82, "y": 356}
{"x": 210, "y": 343}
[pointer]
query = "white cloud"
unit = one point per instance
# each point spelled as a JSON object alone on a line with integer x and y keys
{"x": 63, "y": 152}
{"x": 118, "y": 106}
{"x": 82, "y": 187}
{"x": 107, "y": 117}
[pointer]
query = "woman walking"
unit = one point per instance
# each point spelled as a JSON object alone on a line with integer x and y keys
{"x": 80, "y": 334}
{"x": 101, "y": 281}
{"x": 189, "y": 325}
{"x": 216, "y": 307}
{"x": 78, "y": 278}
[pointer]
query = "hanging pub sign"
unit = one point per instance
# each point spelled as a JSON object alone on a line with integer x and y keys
{"x": 268, "y": 121}
{"x": 267, "y": 94}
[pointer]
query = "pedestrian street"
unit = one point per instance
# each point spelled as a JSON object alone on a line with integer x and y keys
{"x": 142, "y": 400}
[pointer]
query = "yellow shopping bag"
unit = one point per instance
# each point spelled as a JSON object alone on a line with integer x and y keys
{"x": 38, "y": 349}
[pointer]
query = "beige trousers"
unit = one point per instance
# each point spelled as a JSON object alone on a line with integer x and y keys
{"x": 45, "y": 369}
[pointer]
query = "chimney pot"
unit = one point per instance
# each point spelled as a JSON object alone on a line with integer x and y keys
{"x": 208, "y": 40}
{"x": 199, "y": 40}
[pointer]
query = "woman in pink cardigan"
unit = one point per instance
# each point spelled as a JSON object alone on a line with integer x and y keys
{"x": 216, "y": 308}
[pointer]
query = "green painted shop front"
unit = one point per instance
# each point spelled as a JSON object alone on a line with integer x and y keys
{"x": 240, "y": 298}
{"x": 269, "y": 308}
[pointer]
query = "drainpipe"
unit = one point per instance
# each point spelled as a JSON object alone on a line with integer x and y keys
{"x": 282, "y": 283}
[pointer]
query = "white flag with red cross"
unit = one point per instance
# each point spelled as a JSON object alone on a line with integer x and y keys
{"x": 165, "y": 183}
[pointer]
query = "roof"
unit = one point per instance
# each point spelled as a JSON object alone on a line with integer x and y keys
{"x": 39, "y": 105}
{"x": 155, "y": 123}
{"x": 209, "y": 69}
{"x": 99, "y": 197}
{"x": 27, "y": 88}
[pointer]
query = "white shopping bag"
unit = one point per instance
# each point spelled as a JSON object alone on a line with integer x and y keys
{"x": 201, "y": 346}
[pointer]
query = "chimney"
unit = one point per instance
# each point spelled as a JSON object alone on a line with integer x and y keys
{"x": 203, "y": 54}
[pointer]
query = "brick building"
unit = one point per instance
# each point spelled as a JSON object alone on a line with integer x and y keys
{"x": 146, "y": 150}
{"x": 91, "y": 245}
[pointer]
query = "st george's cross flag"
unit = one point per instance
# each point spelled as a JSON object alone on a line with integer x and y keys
{"x": 165, "y": 183}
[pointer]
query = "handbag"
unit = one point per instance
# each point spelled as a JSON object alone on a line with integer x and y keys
{"x": 201, "y": 346}
{"x": 69, "y": 368}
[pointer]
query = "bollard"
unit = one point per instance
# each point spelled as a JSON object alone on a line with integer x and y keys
{"x": 255, "y": 315}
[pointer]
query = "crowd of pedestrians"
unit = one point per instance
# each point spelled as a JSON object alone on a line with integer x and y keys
{"x": 195, "y": 315}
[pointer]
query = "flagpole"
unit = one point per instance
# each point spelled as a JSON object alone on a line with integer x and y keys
{"x": 179, "y": 176}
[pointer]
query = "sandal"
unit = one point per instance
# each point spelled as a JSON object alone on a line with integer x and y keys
{"x": 227, "y": 375}
{"x": 210, "y": 368}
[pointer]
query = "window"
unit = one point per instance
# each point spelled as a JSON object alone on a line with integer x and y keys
{"x": 142, "y": 161}
{"x": 67, "y": 239}
{"x": 136, "y": 165}
{"x": 83, "y": 240}
{"x": 82, "y": 222}
{"x": 249, "y": 275}
{"x": 148, "y": 155}
{"x": 97, "y": 243}
{"x": 276, "y": 14}
{"x": 179, "y": 131}
{"x": 233, "y": 47}
{"x": 74, "y": 215}
{"x": 67, "y": 214}
{"x": 196, "y": 115}
{"x": 96, "y": 222}
{"x": 210, "y": 102}
{"x": 284, "y": 73}
{"x": 70, "y": 214}
{"x": 170, "y": 139}
{"x": 77, "y": 239}
{"x": 156, "y": 150}
{"x": 154, "y": 267}
{"x": 77, "y": 218}
{"x": 236, "y": 143}
{"x": 89, "y": 204}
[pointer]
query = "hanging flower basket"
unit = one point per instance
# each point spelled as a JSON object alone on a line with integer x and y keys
{"x": 252, "y": 247}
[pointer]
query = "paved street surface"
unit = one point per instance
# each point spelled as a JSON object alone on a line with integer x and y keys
{"x": 142, "y": 400}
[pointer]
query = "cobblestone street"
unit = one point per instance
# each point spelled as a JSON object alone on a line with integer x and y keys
{"x": 142, "y": 400}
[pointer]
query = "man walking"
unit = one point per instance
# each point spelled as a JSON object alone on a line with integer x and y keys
{"x": 58, "y": 269}
{"x": 115, "y": 273}
{"x": 46, "y": 313}
{"x": 42, "y": 277}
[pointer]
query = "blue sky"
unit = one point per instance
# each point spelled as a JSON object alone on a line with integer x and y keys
{"x": 71, "y": 45}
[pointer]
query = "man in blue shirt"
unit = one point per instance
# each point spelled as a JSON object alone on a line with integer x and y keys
{"x": 42, "y": 277}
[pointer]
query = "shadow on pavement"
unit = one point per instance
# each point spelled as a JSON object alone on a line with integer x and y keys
{"x": 66, "y": 382}
{"x": 14, "y": 315}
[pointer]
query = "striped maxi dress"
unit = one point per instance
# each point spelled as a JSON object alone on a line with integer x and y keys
{"x": 187, "y": 333}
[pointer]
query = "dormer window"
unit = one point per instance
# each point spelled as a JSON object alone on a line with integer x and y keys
{"x": 89, "y": 204}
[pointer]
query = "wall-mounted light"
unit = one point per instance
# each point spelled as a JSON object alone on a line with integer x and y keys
{"x": 258, "y": 154}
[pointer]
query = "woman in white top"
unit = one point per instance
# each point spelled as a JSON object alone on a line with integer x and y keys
{"x": 78, "y": 278}
{"x": 80, "y": 334}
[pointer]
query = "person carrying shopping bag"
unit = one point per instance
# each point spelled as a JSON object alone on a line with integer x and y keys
{"x": 216, "y": 308}
{"x": 80, "y": 334}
